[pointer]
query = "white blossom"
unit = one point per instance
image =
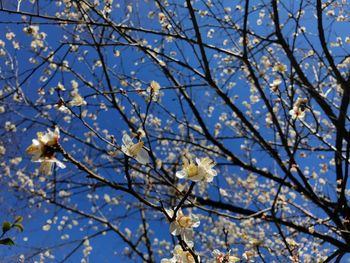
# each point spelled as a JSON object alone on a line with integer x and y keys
{"x": 135, "y": 150}
{"x": 220, "y": 257}
{"x": 154, "y": 90}
{"x": 183, "y": 226}
{"x": 298, "y": 110}
{"x": 77, "y": 100}
{"x": 43, "y": 150}
{"x": 202, "y": 170}
{"x": 180, "y": 256}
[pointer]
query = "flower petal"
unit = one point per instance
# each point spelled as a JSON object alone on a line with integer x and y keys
{"x": 181, "y": 174}
{"x": 170, "y": 212}
{"x": 142, "y": 157}
{"x": 125, "y": 150}
{"x": 127, "y": 140}
{"x": 197, "y": 178}
{"x": 175, "y": 229}
{"x": 195, "y": 221}
{"x": 60, "y": 164}
{"x": 187, "y": 235}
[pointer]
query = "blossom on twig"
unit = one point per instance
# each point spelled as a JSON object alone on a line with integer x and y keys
{"x": 180, "y": 256}
{"x": 43, "y": 150}
{"x": 183, "y": 226}
{"x": 135, "y": 150}
{"x": 202, "y": 170}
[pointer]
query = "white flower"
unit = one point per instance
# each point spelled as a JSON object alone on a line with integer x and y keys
{"x": 31, "y": 30}
{"x": 296, "y": 113}
{"x": 46, "y": 227}
{"x": 298, "y": 110}
{"x": 10, "y": 127}
{"x": 43, "y": 150}
{"x": 279, "y": 67}
{"x": 61, "y": 107}
{"x": 248, "y": 255}
{"x": 180, "y": 256}
{"x": 140, "y": 133}
{"x": 154, "y": 90}
{"x": 135, "y": 150}
{"x": 2, "y": 150}
{"x": 60, "y": 86}
{"x": 10, "y": 35}
{"x": 220, "y": 257}
{"x": 201, "y": 171}
{"x": 183, "y": 226}
{"x": 275, "y": 85}
{"x": 77, "y": 100}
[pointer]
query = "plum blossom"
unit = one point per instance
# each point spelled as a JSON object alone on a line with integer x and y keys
{"x": 279, "y": 67}
{"x": 60, "y": 106}
{"x": 202, "y": 170}
{"x": 10, "y": 35}
{"x": 154, "y": 90}
{"x": 31, "y": 30}
{"x": 77, "y": 100}
{"x": 298, "y": 110}
{"x": 220, "y": 257}
{"x": 43, "y": 150}
{"x": 180, "y": 256}
{"x": 135, "y": 150}
{"x": 183, "y": 226}
{"x": 163, "y": 20}
{"x": 248, "y": 255}
{"x": 275, "y": 85}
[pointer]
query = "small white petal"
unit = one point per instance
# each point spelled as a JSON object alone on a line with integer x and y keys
{"x": 60, "y": 164}
{"x": 170, "y": 212}
{"x": 175, "y": 229}
{"x": 187, "y": 236}
{"x": 195, "y": 220}
{"x": 127, "y": 140}
{"x": 35, "y": 142}
{"x": 181, "y": 174}
{"x": 125, "y": 150}
{"x": 216, "y": 252}
{"x": 142, "y": 157}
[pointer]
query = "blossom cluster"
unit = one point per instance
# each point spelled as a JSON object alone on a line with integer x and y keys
{"x": 44, "y": 149}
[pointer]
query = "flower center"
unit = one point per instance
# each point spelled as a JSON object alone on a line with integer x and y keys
{"x": 48, "y": 152}
{"x": 136, "y": 148}
{"x": 192, "y": 170}
{"x": 189, "y": 257}
{"x": 219, "y": 258}
{"x": 185, "y": 221}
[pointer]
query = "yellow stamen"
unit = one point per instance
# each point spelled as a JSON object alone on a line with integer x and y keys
{"x": 185, "y": 221}
{"x": 136, "y": 148}
{"x": 192, "y": 170}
